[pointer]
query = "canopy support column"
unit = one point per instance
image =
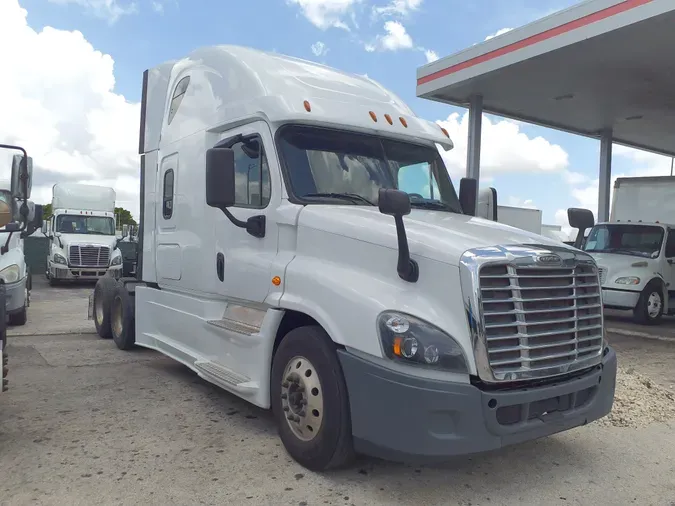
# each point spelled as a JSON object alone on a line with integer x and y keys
{"x": 473, "y": 143}
{"x": 605, "y": 175}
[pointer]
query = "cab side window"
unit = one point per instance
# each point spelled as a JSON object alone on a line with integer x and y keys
{"x": 177, "y": 98}
{"x": 252, "y": 174}
{"x": 670, "y": 243}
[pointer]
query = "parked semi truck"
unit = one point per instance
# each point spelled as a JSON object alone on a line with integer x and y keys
{"x": 81, "y": 232}
{"x": 303, "y": 247}
{"x": 18, "y": 219}
{"x": 635, "y": 249}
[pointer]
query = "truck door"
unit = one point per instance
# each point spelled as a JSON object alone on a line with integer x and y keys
{"x": 242, "y": 263}
{"x": 669, "y": 269}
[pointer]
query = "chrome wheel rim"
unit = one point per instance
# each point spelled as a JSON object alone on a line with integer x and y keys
{"x": 98, "y": 307}
{"x": 654, "y": 304}
{"x": 116, "y": 316}
{"x": 302, "y": 398}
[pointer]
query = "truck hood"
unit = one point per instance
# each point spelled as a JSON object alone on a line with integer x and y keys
{"x": 87, "y": 239}
{"x": 435, "y": 235}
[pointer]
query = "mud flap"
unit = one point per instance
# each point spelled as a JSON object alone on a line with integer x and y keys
{"x": 90, "y": 310}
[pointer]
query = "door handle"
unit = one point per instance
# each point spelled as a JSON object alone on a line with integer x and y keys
{"x": 220, "y": 266}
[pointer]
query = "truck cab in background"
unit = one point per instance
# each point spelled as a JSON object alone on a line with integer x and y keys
{"x": 303, "y": 246}
{"x": 635, "y": 249}
{"x": 81, "y": 233}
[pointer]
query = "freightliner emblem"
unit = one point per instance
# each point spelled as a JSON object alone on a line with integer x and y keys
{"x": 549, "y": 259}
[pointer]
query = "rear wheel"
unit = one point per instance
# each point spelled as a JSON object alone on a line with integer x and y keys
{"x": 309, "y": 400}
{"x": 122, "y": 318}
{"x": 103, "y": 296}
{"x": 649, "y": 309}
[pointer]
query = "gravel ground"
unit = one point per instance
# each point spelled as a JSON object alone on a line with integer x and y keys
{"x": 84, "y": 423}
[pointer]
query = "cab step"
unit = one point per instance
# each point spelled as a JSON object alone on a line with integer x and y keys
{"x": 227, "y": 378}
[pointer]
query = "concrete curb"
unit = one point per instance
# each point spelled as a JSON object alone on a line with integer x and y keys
{"x": 635, "y": 333}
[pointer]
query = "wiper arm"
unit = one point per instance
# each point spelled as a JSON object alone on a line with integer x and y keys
{"x": 352, "y": 197}
{"x": 432, "y": 204}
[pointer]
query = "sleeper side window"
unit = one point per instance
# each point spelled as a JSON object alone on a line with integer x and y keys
{"x": 167, "y": 195}
{"x": 252, "y": 175}
{"x": 177, "y": 97}
{"x": 670, "y": 243}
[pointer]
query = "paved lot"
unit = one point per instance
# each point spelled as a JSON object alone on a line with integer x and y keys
{"x": 84, "y": 423}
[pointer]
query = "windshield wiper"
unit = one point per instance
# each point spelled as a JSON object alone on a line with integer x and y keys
{"x": 353, "y": 197}
{"x": 431, "y": 204}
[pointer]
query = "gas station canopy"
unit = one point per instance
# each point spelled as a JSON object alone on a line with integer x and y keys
{"x": 602, "y": 68}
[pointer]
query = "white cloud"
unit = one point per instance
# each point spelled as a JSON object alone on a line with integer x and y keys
{"x": 398, "y": 8}
{"x": 325, "y": 14}
{"x": 518, "y": 202}
{"x": 110, "y": 10}
{"x": 64, "y": 109}
{"x": 498, "y": 33}
{"x": 504, "y": 148}
{"x": 430, "y": 55}
{"x": 396, "y": 38}
{"x": 158, "y": 7}
{"x": 319, "y": 49}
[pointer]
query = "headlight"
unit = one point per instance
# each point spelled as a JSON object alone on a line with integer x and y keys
{"x": 628, "y": 280}
{"x": 60, "y": 259}
{"x": 412, "y": 341}
{"x": 116, "y": 260}
{"x": 10, "y": 274}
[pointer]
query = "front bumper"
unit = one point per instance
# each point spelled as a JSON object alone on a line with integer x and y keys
{"x": 63, "y": 272}
{"x": 405, "y": 418}
{"x": 619, "y": 299}
{"x": 15, "y": 297}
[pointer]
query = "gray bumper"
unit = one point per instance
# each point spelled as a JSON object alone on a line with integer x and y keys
{"x": 16, "y": 295}
{"x": 619, "y": 299}
{"x": 409, "y": 419}
{"x": 61, "y": 272}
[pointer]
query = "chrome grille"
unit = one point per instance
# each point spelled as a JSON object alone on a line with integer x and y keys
{"x": 602, "y": 273}
{"x": 89, "y": 256}
{"x": 540, "y": 319}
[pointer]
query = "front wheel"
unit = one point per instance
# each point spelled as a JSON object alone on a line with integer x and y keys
{"x": 649, "y": 309}
{"x": 309, "y": 400}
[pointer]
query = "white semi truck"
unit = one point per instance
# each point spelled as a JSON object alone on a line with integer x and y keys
{"x": 19, "y": 218}
{"x": 81, "y": 232}
{"x": 635, "y": 249}
{"x": 303, "y": 247}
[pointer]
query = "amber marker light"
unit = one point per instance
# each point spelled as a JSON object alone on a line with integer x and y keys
{"x": 276, "y": 280}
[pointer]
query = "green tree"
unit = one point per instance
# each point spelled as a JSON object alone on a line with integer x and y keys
{"x": 124, "y": 217}
{"x": 46, "y": 211}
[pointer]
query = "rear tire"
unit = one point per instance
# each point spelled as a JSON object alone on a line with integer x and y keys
{"x": 122, "y": 318}
{"x": 103, "y": 296}
{"x": 649, "y": 309}
{"x": 309, "y": 400}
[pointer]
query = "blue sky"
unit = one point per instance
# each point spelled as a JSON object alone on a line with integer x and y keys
{"x": 156, "y": 30}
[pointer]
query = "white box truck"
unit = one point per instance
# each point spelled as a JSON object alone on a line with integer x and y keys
{"x": 635, "y": 249}
{"x": 303, "y": 247}
{"x": 81, "y": 232}
{"x": 19, "y": 218}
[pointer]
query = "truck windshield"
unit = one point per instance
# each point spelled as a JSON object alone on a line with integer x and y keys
{"x": 6, "y": 197}
{"x": 625, "y": 239}
{"x": 77, "y": 224}
{"x": 351, "y": 168}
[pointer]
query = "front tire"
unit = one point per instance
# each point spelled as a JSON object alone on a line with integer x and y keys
{"x": 104, "y": 292}
{"x": 122, "y": 318}
{"x": 649, "y": 309}
{"x": 309, "y": 400}
{"x": 20, "y": 318}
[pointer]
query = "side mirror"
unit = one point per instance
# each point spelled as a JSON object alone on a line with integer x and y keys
{"x": 44, "y": 228}
{"x": 34, "y": 220}
{"x": 220, "y": 178}
{"x": 125, "y": 231}
{"x": 581, "y": 219}
{"x": 396, "y": 203}
{"x": 468, "y": 193}
{"x": 22, "y": 170}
